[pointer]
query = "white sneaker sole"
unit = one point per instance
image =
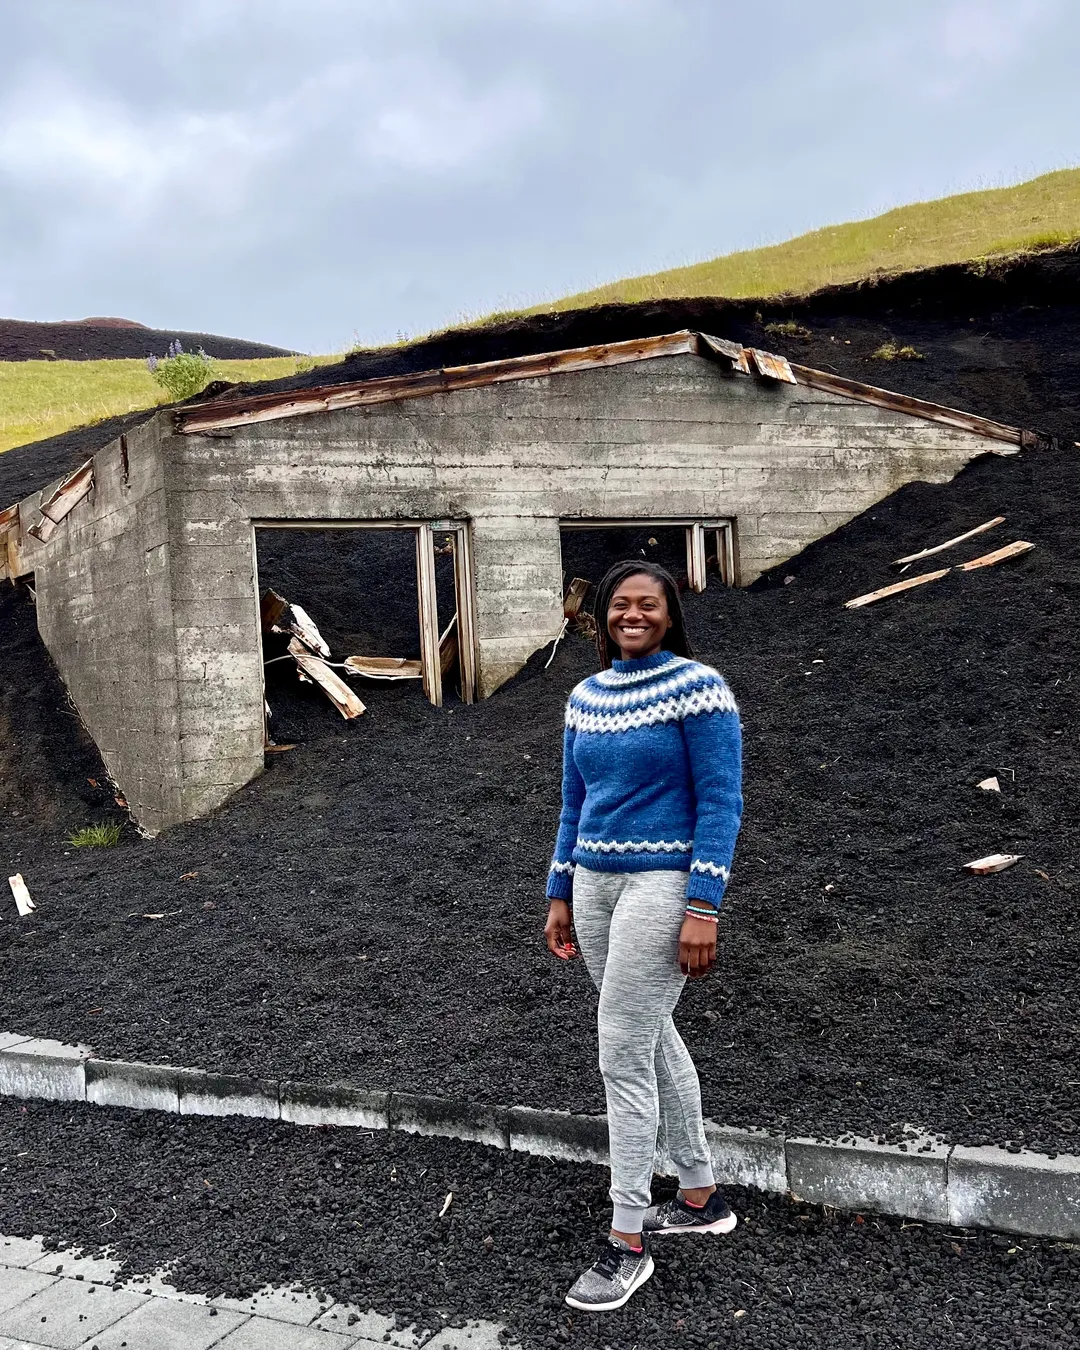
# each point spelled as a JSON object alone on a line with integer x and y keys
{"x": 639, "y": 1279}
{"x": 702, "y": 1230}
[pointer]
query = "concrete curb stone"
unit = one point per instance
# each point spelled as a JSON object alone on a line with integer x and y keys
{"x": 220, "y": 1094}
{"x": 336, "y": 1104}
{"x": 414, "y": 1113}
{"x": 146, "y": 1087}
{"x": 921, "y": 1179}
{"x": 1022, "y": 1192}
{"x": 909, "y": 1179}
{"x": 44, "y": 1068}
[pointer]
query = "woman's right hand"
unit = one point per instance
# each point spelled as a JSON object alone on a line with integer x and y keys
{"x": 557, "y": 931}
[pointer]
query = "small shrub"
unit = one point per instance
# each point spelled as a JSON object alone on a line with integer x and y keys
{"x": 890, "y": 351}
{"x": 104, "y": 835}
{"x": 789, "y": 328}
{"x": 181, "y": 373}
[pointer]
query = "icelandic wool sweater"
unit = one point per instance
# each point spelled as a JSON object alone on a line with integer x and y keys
{"x": 652, "y": 775}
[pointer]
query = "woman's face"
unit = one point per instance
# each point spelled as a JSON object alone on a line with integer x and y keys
{"x": 637, "y": 617}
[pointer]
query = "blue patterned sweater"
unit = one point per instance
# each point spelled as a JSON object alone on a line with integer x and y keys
{"x": 652, "y": 775}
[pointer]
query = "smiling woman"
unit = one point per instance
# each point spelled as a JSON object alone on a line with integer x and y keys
{"x": 652, "y": 800}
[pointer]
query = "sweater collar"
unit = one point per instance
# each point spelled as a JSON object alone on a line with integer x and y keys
{"x": 654, "y": 662}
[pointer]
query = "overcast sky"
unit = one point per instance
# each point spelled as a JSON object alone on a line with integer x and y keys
{"x": 313, "y": 172}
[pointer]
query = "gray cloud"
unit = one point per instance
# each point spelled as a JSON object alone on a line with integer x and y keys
{"x": 300, "y": 171}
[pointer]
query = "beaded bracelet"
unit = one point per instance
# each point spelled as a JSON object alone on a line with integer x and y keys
{"x": 708, "y": 913}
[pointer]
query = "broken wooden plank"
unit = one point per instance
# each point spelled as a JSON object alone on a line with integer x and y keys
{"x": 696, "y": 575}
{"x": 63, "y": 501}
{"x": 429, "y": 616}
{"x": 949, "y": 543}
{"x": 993, "y": 862}
{"x": 732, "y": 351}
{"x": 335, "y": 688}
{"x": 773, "y": 367}
{"x": 1013, "y": 550}
{"x": 873, "y": 596}
{"x": 9, "y": 515}
{"x": 575, "y": 597}
{"x": 271, "y": 607}
{"x": 300, "y": 623}
{"x": 23, "y": 903}
{"x": 448, "y": 647}
{"x": 385, "y": 667}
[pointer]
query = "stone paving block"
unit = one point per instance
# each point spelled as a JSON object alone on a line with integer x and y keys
{"x": 474, "y": 1336}
{"x": 44, "y": 1068}
{"x": 146, "y": 1087}
{"x": 218, "y": 1094}
{"x": 369, "y": 1327}
{"x": 334, "y": 1104}
{"x": 263, "y": 1334}
{"x": 20, "y": 1251}
{"x": 559, "y": 1134}
{"x": 66, "y": 1314}
{"x": 157, "y": 1283}
{"x": 10, "y": 1038}
{"x": 163, "y": 1324}
{"x": 77, "y": 1267}
{"x": 417, "y": 1114}
{"x": 884, "y": 1178}
{"x": 1019, "y": 1192}
{"x": 747, "y": 1157}
{"x": 18, "y": 1285}
{"x": 280, "y": 1305}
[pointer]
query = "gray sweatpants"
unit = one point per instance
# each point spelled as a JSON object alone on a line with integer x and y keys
{"x": 627, "y": 927}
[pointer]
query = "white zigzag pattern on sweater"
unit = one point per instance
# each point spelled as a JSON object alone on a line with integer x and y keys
{"x": 563, "y": 867}
{"x": 691, "y": 674}
{"x": 636, "y": 845}
{"x": 711, "y": 869}
{"x": 713, "y": 698}
{"x": 616, "y": 678}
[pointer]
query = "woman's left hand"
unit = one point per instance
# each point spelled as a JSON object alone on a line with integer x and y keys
{"x": 697, "y": 947}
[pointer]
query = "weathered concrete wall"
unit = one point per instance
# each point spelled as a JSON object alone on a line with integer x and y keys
{"x": 147, "y": 595}
{"x": 105, "y": 611}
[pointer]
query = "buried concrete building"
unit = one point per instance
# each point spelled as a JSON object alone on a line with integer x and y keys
{"x": 145, "y": 564}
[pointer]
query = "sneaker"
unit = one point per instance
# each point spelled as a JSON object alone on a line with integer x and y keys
{"x": 613, "y": 1276}
{"x": 676, "y": 1216}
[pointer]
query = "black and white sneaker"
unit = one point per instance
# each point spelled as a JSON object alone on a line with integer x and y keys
{"x": 676, "y": 1216}
{"x": 615, "y": 1274}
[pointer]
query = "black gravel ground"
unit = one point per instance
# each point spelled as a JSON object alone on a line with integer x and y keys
{"x": 371, "y": 908}
{"x": 240, "y": 1203}
{"x": 21, "y": 340}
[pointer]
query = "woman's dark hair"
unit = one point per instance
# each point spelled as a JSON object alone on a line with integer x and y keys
{"x": 676, "y": 640}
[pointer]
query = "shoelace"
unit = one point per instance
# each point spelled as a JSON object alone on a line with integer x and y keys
{"x": 610, "y": 1258}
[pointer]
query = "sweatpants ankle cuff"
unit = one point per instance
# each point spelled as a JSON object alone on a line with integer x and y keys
{"x": 627, "y": 1218}
{"x": 690, "y": 1178}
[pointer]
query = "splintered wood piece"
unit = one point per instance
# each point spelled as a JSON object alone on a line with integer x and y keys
{"x": 575, "y": 597}
{"x": 949, "y": 543}
{"x": 772, "y": 367}
{"x": 332, "y": 685}
{"x": 1013, "y": 550}
{"x": 731, "y": 350}
{"x": 300, "y": 623}
{"x": 895, "y": 589}
{"x": 990, "y": 784}
{"x": 993, "y": 862}
{"x": 274, "y": 749}
{"x": 385, "y": 667}
{"x": 64, "y": 500}
{"x": 448, "y": 647}
{"x": 9, "y": 515}
{"x": 23, "y": 903}
{"x": 271, "y": 607}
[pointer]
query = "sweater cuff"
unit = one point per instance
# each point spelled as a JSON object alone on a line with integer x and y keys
{"x": 560, "y": 884}
{"x": 704, "y": 886}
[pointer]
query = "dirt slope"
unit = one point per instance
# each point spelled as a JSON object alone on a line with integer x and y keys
{"x": 108, "y": 339}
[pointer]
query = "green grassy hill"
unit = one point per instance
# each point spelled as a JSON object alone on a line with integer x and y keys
{"x": 45, "y": 398}
{"x": 1044, "y": 213}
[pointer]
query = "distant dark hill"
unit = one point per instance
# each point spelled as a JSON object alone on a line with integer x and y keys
{"x": 108, "y": 339}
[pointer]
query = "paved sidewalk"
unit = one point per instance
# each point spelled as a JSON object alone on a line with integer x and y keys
{"x": 62, "y": 1301}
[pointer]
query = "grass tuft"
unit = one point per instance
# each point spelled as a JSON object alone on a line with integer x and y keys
{"x": 788, "y": 328}
{"x": 104, "y": 835}
{"x": 889, "y": 351}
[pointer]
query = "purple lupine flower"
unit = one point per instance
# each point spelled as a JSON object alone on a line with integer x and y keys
{"x": 151, "y": 363}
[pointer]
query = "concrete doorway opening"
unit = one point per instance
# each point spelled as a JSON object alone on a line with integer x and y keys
{"x": 385, "y": 600}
